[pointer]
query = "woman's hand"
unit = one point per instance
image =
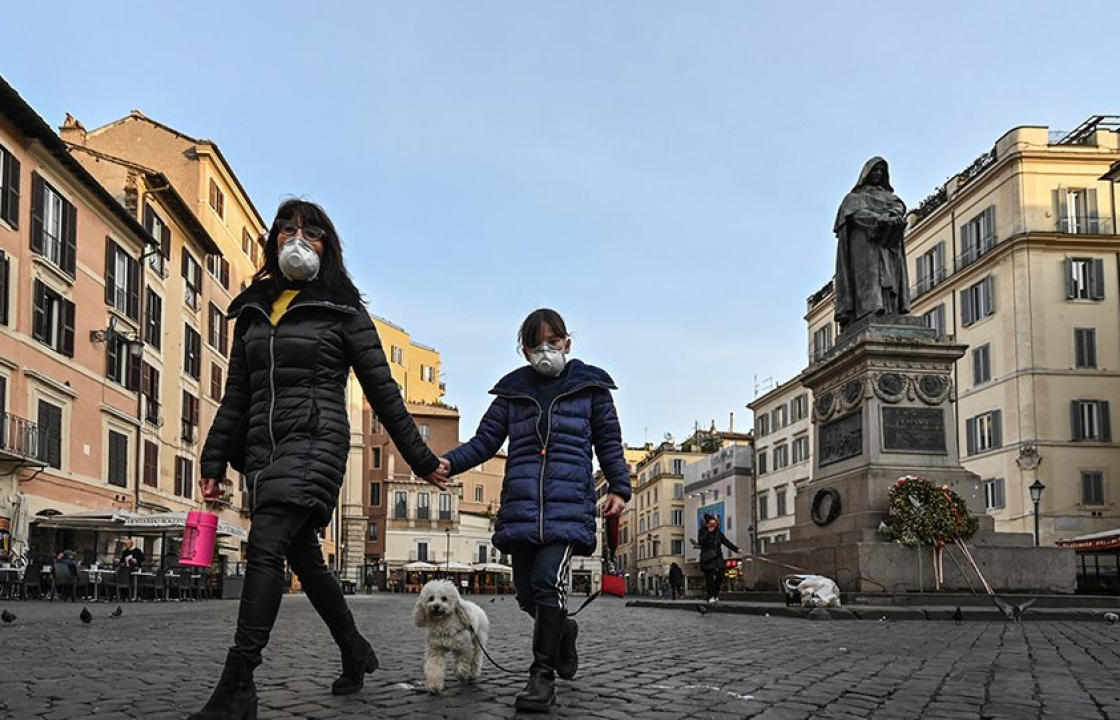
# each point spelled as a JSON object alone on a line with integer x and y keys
{"x": 441, "y": 475}
{"x": 210, "y": 488}
{"x": 614, "y": 505}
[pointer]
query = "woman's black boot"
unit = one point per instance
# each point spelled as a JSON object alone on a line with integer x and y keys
{"x": 568, "y": 662}
{"x": 235, "y": 697}
{"x": 358, "y": 660}
{"x": 540, "y": 693}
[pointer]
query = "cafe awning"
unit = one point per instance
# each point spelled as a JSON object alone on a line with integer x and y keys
{"x": 126, "y": 522}
{"x": 493, "y": 568}
{"x": 1105, "y": 540}
{"x": 420, "y": 566}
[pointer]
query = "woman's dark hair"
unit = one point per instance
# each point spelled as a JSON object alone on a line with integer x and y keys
{"x": 332, "y": 270}
{"x": 530, "y": 333}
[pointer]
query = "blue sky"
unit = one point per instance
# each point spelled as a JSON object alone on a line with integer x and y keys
{"x": 665, "y": 177}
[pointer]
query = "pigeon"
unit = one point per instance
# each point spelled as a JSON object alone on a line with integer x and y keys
{"x": 1110, "y": 617}
{"x": 958, "y": 615}
{"x": 1014, "y": 613}
{"x": 7, "y": 617}
{"x": 118, "y": 612}
{"x": 493, "y": 599}
{"x": 702, "y": 608}
{"x": 85, "y": 616}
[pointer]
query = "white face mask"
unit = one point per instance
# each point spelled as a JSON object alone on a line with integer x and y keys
{"x": 298, "y": 260}
{"x": 547, "y": 360}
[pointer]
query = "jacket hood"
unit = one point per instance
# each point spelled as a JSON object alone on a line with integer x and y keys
{"x": 263, "y": 292}
{"x": 867, "y": 167}
{"x": 522, "y": 381}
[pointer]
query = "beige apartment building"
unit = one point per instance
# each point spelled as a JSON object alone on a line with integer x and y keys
{"x": 1017, "y": 256}
{"x": 783, "y": 452}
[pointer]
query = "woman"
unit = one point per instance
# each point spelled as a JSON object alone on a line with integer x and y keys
{"x": 300, "y": 327}
{"x": 711, "y": 539}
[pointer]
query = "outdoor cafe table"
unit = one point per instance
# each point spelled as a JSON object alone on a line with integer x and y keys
{"x": 136, "y": 575}
{"x": 95, "y": 575}
{"x": 9, "y": 577}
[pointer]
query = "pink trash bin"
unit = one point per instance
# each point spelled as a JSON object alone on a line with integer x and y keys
{"x": 198, "y": 539}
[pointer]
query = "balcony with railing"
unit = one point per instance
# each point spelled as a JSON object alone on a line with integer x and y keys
{"x": 22, "y": 440}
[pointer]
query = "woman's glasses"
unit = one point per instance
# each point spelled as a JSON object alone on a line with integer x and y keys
{"x": 289, "y": 228}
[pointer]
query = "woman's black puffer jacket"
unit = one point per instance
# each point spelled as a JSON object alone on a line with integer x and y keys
{"x": 283, "y": 419}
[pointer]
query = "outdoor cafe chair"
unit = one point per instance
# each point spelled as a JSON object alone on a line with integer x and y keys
{"x": 62, "y": 579}
{"x": 32, "y": 580}
{"x": 122, "y": 580}
{"x": 84, "y": 583}
{"x": 154, "y": 583}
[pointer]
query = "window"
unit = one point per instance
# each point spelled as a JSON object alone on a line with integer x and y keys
{"x": 994, "y": 494}
{"x": 727, "y": 523}
{"x": 400, "y": 505}
{"x": 397, "y": 355}
{"x": 981, "y": 365}
{"x": 444, "y": 506}
{"x": 1092, "y": 488}
{"x": 479, "y": 493}
{"x": 977, "y": 302}
{"x": 781, "y": 502}
{"x": 120, "y": 364}
{"x": 763, "y": 509}
{"x": 375, "y": 494}
{"x": 779, "y": 417}
{"x": 678, "y": 518}
{"x": 217, "y": 199}
{"x": 983, "y": 432}
{"x": 762, "y": 425}
{"x": 375, "y": 457}
{"x": 5, "y": 271}
{"x": 118, "y": 459}
{"x": 978, "y": 236}
{"x": 53, "y": 319}
{"x": 678, "y": 466}
{"x": 153, "y": 319}
{"x": 935, "y": 319}
{"x": 159, "y": 230}
{"x": 822, "y": 342}
{"x": 642, "y": 524}
{"x": 151, "y": 464}
{"x": 799, "y": 407}
{"x": 678, "y": 491}
{"x": 192, "y": 352}
{"x": 1077, "y": 210}
{"x": 255, "y": 252}
{"x": 715, "y": 493}
{"x": 149, "y": 389}
{"x": 192, "y": 277}
{"x": 427, "y": 373}
{"x": 929, "y": 268}
{"x": 216, "y": 382}
{"x": 422, "y": 551}
{"x": 656, "y": 521}
{"x": 781, "y": 456}
{"x": 246, "y": 241}
{"x": 9, "y": 188}
{"x": 655, "y": 494}
{"x": 1085, "y": 347}
{"x": 373, "y": 532}
{"x": 762, "y": 462}
{"x": 425, "y": 431}
{"x": 217, "y": 331}
{"x": 219, "y": 269}
{"x": 423, "y": 506}
{"x": 677, "y": 546}
{"x": 184, "y": 477}
{"x": 50, "y": 433}
{"x": 122, "y": 287}
{"x": 1090, "y": 420}
{"x": 189, "y": 417}
{"x": 727, "y": 491}
{"x": 801, "y": 449}
{"x": 1084, "y": 278}
{"x": 54, "y": 223}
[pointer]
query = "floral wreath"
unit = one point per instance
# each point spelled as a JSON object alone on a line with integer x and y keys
{"x": 922, "y": 513}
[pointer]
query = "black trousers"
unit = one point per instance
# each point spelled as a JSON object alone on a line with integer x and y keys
{"x": 540, "y": 575}
{"x": 713, "y": 580}
{"x": 279, "y": 533}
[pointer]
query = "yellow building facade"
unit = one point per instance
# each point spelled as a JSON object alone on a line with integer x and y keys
{"x": 1017, "y": 256}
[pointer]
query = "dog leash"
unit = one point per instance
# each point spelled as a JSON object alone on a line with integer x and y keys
{"x": 478, "y": 641}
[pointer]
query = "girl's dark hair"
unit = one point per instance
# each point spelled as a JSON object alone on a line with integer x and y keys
{"x": 332, "y": 270}
{"x": 530, "y": 333}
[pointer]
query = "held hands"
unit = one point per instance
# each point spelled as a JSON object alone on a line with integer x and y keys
{"x": 210, "y": 488}
{"x": 441, "y": 475}
{"x": 613, "y": 505}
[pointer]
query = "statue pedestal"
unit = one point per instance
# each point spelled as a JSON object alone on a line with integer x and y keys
{"x": 883, "y": 408}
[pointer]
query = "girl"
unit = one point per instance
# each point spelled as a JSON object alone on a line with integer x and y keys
{"x": 301, "y": 326}
{"x": 554, "y": 412}
{"x": 711, "y": 539}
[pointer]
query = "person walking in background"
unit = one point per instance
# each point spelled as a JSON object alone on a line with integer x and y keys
{"x": 676, "y": 580}
{"x": 301, "y": 326}
{"x": 711, "y": 541}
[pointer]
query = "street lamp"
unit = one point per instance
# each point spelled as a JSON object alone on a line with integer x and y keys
{"x": 1036, "y": 489}
{"x": 448, "y": 556}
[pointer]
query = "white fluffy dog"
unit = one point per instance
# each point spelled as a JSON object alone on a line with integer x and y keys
{"x": 446, "y": 615}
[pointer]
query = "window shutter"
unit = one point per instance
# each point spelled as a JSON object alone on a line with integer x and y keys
{"x": 967, "y": 310}
{"x": 149, "y": 222}
{"x": 1093, "y": 223}
{"x": 112, "y": 351}
{"x": 223, "y": 327}
{"x": 939, "y": 263}
{"x": 225, "y": 273}
{"x": 39, "y": 311}
{"x": 966, "y": 244}
{"x": 940, "y": 313}
{"x": 997, "y": 428}
{"x": 1096, "y": 279}
{"x": 989, "y": 227}
{"x": 194, "y": 410}
{"x": 133, "y": 381}
{"x": 67, "y": 328}
{"x": 145, "y": 379}
{"x": 4, "y": 267}
{"x": 1075, "y": 420}
{"x": 69, "y": 238}
{"x": 1106, "y": 425}
{"x": 133, "y": 309}
{"x": 970, "y": 435}
{"x": 1061, "y": 207}
{"x": 110, "y": 269}
{"x": 38, "y": 195}
{"x": 185, "y": 265}
{"x": 1090, "y": 348}
{"x": 977, "y": 375}
{"x": 1071, "y": 288}
{"x": 11, "y": 191}
{"x": 988, "y": 288}
{"x": 151, "y": 459}
{"x": 165, "y": 242}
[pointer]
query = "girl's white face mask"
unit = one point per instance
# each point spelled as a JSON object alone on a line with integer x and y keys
{"x": 298, "y": 260}
{"x": 547, "y": 360}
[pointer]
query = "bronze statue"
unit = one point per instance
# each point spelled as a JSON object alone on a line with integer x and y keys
{"x": 871, "y": 275}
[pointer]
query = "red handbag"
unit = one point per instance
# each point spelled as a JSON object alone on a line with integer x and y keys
{"x": 613, "y": 581}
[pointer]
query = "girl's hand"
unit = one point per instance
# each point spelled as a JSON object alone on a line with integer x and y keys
{"x": 614, "y": 505}
{"x": 210, "y": 488}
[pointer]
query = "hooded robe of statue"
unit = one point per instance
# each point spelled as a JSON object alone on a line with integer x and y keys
{"x": 871, "y": 275}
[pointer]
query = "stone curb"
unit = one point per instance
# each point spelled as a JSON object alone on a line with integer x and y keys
{"x": 879, "y": 613}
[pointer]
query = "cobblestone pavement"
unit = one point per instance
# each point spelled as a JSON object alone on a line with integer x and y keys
{"x": 160, "y": 661}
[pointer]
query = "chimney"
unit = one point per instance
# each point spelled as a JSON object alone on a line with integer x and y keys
{"x": 731, "y": 424}
{"x": 72, "y": 130}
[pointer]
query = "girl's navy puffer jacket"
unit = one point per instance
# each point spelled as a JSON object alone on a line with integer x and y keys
{"x": 548, "y": 494}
